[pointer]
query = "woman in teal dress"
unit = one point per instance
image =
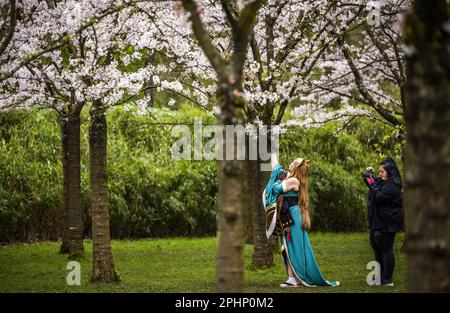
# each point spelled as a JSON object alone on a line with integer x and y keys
{"x": 296, "y": 250}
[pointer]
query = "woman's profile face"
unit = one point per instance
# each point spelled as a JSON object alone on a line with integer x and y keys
{"x": 383, "y": 174}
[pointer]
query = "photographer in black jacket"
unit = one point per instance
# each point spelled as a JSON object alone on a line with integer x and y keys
{"x": 385, "y": 214}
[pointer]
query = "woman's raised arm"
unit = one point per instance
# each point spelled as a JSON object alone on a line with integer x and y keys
{"x": 273, "y": 159}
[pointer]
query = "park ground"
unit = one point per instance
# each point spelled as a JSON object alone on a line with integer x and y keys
{"x": 188, "y": 265}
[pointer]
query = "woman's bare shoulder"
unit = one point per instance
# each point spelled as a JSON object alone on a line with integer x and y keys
{"x": 292, "y": 183}
{"x": 292, "y": 180}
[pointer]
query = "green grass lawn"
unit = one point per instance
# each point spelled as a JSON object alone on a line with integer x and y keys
{"x": 188, "y": 265}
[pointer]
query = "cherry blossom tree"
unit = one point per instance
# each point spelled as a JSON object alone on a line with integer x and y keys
{"x": 42, "y": 30}
{"x": 16, "y": 51}
{"x": 88, "y": 68}
{"x": 182, "y": 67}
{"x": 289, "y": 39}
{"x": 231, "y": 104}
{"x": 245, "y": 62}
{"x": 364, "y": 72}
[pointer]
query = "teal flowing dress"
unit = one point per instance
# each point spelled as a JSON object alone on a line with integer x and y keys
{"x": 296, "y": 250}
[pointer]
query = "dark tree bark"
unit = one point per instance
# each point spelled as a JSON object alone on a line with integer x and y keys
{"x": 73, "y": 213}
{"x": 250, "y": 201}
{"x": 263, "y": 247}
{"x": 149, "y": 91}
{"x": 8, "y": 28}
{"x": 403, "y": 147}
{"x": 103, "y": 264}
{"x": 427, "y": 118}
{"x": 250, "y": 185}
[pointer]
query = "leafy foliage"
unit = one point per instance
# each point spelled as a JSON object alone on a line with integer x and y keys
{"x": 152, "y": 195}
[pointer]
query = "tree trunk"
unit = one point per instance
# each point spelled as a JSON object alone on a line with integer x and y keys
{"x": 263, "y": 247}
{"x": 73, "y": 213}
{"x": 230, "y": 262}
{"x": 103, "y": 264}
{"x": 403, "y": 147}
{"x": 427, "y": 117}
{"x": 231, "y": 232}
{"x": 250, "y": 199}
{"x": 255, "y": 223}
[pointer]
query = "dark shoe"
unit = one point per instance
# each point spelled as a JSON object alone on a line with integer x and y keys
{"x": 387, "y": 282}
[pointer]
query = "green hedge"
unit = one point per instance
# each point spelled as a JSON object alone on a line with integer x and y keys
{"x": 150, "y": 194}
{"x": 338, "y": 199}
{"x": 30, "y": 184}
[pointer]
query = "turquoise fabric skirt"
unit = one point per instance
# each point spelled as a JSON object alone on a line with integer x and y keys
{"x": 299, "y": 253}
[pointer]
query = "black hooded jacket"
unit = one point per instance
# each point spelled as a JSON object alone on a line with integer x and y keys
{"x": 385, "y": 202}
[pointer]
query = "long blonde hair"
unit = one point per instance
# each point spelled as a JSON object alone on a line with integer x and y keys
{"x": 300, "y": 170}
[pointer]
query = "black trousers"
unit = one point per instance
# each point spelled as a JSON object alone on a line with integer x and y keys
{"x": 382, "y": 244}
